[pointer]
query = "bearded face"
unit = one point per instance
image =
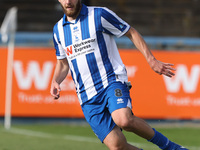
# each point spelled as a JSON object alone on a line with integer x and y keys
{"x": 71, "y": 8}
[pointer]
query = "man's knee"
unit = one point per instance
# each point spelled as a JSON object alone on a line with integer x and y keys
{"x": 124, "y": 118}
{"x": 126, "y": 123}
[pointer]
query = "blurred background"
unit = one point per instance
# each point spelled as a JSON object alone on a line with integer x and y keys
{"x": 157, "y": 18}
{"x": 171, "y": 29}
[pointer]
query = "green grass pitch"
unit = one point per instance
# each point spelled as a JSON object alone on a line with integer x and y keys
{"x": 81, "y": 137}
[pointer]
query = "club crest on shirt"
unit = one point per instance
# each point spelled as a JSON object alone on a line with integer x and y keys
{"x": 76, "y": 38}
{"x": 75, "y": 31}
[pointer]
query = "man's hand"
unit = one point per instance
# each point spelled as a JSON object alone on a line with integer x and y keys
{"x": 162, "y": 68}
{"x": 55, "y": 90}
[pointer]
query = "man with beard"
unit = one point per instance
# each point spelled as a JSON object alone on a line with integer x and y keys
{"x": 84, "y": 43}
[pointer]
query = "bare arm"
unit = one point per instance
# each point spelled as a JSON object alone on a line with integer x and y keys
{"x": 158, "y": 66}
{"x": 60, "y": 73}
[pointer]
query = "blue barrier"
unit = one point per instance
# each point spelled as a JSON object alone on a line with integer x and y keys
{"x": 45, "y": 39}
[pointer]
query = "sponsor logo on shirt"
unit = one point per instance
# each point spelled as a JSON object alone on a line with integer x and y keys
{"x": 81, "y": 48}
{"x": 68, "y": 50}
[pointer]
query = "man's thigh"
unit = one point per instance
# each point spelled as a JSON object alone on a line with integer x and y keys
{"x": 115, "y": 138}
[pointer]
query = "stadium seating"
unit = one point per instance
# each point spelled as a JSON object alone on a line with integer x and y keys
{"x": 150, "y": 17}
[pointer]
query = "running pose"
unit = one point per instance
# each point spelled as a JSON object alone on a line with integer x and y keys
{"x": 84, "y": 44}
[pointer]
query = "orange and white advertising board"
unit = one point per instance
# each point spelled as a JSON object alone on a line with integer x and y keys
{"x": 153, "y": 96}
{"x": 158, "y": 96}
{"x": 33, "y": 70}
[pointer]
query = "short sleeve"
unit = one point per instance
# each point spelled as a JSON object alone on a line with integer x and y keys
{"x": 113, "y": 24}
{"x": 60, "y": 52}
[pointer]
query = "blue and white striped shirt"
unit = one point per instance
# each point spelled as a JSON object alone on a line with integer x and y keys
{"x": 90, "y": 49}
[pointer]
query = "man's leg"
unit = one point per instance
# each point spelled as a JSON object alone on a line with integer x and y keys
{"x": 102, "y": 124}
{"x": 124, "y": 119}
{"x": 115, "y": 140}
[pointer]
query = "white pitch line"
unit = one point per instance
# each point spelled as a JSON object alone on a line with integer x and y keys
{"x": 74, "y": 137}
{"x": 66, "y": 137}
{"x": 29, "y": 133}
{"x": 81, "y": 138}
{"x": 47, "y": 135}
